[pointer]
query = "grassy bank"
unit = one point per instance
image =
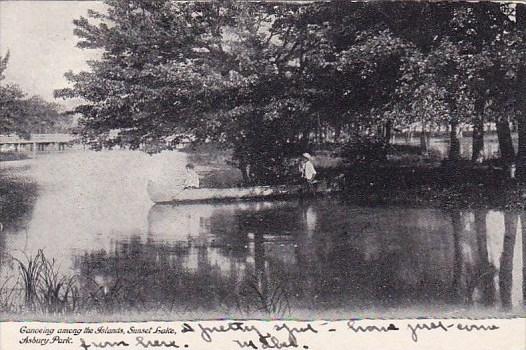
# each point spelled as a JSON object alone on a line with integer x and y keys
{"x": 407, "y": 178}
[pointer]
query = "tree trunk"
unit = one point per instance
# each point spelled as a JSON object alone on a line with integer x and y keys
{"x": 388, "y": 131}
{"x": 507, "y": 153}
{"x": 478, "y": 132}
{"x": 478, "y": 140}
{"x": 424, "y": 140}
{"x": 305, "y": 138}
{"x": 520, "y": 15}
{"x": 318, "y": 130}
{"x": 409, "y": 135}
{"x": 454, "y": 142}
{"x": 379, "y": 130}
{"x": 520, "y": 173}
{"x": 337, "y": 132}
{"x": 521, "y": 98}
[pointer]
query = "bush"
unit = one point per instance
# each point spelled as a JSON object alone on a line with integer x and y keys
{"x": 366, "y": 149}
{"x": 7, "y": 156}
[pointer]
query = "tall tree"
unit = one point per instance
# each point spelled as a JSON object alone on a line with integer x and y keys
{"x": 22, "y": 115}
{"x": 12, "y": 118}
{"x": 44, "y": 116}
{"x": 519, "y": 57}
{"x": 213, "y": 71}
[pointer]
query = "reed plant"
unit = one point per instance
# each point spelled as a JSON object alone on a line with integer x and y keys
{"x": 43, "y": 286}
{"x": 30, "y": 271}
{"x": 39, "y": 286}
{"x": 7, "y": 294}
{"x": 57, "y": 293}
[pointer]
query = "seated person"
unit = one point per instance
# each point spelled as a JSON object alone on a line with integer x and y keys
{"x": 192, "y": 179}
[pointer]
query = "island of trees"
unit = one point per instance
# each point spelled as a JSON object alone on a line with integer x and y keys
{"x": 269, "y": 80}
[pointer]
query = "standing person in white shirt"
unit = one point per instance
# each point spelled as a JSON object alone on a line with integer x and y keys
{"x": 192, "y": 179}
{"x": 308, "y": 172}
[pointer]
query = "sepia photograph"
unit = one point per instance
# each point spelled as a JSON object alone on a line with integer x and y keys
{"x": 262, "y": 160}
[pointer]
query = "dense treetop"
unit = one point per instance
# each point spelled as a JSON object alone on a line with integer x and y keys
{"x": 263, "y": 78}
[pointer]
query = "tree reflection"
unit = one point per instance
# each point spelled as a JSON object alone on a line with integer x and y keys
{"x": 259, "y": 266}
{"x": 456, "y": 221}
{"x": 506, "y": 260}
{"x": 486, "y": 271}
{"x": 523, "y": 229}
{"x": 140, "y": 275}
{"x": 311, "y": 255}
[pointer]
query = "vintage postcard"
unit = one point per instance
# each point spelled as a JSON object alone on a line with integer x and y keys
{"x": 262, "y": 174}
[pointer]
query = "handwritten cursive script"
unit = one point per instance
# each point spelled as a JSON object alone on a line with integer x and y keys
{"x": 206, "y": 332}
{"x": 370, "y": 329}
{"x": 429, "y": 326}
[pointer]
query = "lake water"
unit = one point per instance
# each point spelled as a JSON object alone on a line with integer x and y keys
{"x": 283, "y": 258}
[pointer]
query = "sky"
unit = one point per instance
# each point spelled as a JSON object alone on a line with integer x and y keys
{"x": 39, "y": 37}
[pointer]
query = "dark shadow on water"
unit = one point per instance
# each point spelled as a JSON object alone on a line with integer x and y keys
{"x": 274, "y": 257}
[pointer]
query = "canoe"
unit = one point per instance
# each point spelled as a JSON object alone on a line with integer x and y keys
{"x": 163, "y": 194}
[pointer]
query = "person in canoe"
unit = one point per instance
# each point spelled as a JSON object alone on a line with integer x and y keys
{"x": 192, "y": 179}
{"x": 308, "y": 172}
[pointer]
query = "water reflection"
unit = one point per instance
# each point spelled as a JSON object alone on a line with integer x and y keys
{"x": 316, "y": 255}
{"x": 263, "y": 256}
{"x": 485, "y": 287}
{"x": 506, "y": 260}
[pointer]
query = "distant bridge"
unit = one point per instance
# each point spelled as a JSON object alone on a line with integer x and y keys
{"x": 36, "y": 142}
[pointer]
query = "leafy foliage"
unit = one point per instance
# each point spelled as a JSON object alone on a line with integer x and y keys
{"x": 265, "y": 79}
{"x": 22, "y": 115}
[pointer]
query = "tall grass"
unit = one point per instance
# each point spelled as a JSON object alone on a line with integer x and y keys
{"x": 57, "y": 293}
{"x": 7, "y": 300}
{"x": 43, "y": 287}
{"x": 30, "y": 272}
{"x": 40, "y": 287}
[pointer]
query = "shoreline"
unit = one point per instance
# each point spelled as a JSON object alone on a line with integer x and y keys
{"x": 431, "y": 185}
